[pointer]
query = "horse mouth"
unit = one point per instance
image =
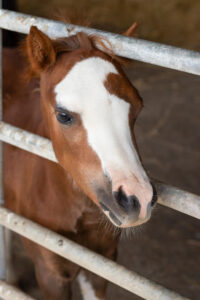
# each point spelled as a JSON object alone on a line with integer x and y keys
{"x": 111, "y": 216}
{"x": 121, "y": 219}
{"x": 117, "y": 214}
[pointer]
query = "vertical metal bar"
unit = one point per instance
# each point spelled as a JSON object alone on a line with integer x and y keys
{"x": 2, "y": 244}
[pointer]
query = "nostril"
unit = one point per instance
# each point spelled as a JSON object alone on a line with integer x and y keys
{"x": 134, "y": 202}
{"x": 128, "y": 203}
{"x": 155, "y": 197}
{"x": 121, "y": 198}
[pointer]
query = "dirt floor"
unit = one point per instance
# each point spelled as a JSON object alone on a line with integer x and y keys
{"x": 167, "y": 248}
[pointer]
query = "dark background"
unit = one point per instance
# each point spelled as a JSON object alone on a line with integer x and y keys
{"x": 167, "y": 248}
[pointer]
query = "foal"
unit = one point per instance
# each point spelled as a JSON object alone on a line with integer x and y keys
{"x": 88, "y": 109}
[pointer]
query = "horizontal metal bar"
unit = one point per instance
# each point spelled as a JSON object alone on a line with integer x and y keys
{"x": 9, "y": 292}
{"x": 86, "y": 258}
{"x": 133, "y": 48}
{"x": 167, "y": 195}
{"x": 27, "y": 141}
{"x": 180, "y": 200}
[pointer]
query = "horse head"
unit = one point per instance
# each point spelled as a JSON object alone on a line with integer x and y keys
{"x": 89, "y": 108}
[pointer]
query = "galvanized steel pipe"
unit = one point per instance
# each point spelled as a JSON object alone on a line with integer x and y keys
{"x": 86, "y": 258}
{"x": 168, "y": 196}
{"x": 27, "y": 141}
{"x": 133, "y": 48}
{"x": 180, "y": 200}
{"x": 9, "y": 292}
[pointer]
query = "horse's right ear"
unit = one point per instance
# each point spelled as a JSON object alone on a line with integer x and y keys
{"x": 40, "y": 50}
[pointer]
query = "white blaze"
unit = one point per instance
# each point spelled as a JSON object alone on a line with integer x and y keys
{"x": 104, "y": 116}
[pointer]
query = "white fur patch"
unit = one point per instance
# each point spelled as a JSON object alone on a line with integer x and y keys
{"x": 105, "y": 116}
{"x": 86, "y": 287}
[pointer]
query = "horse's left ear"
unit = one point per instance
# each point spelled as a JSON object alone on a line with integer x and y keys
{"x": 41, "y": 52}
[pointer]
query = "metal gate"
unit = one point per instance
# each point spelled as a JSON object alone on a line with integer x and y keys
{"x": 146, "y": 51}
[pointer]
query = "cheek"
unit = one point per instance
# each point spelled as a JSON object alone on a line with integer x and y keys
{"x": 77, "y": 157}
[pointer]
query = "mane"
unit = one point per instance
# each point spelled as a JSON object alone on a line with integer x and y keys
{"x": 81, "y": 39}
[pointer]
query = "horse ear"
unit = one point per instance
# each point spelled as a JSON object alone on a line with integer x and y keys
{"x": 131, "y": 30}
{"x": 41, "y": 52}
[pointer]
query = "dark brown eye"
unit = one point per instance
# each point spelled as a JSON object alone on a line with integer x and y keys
{"x": 64, "y": 117}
